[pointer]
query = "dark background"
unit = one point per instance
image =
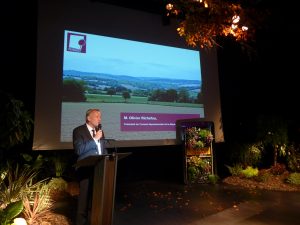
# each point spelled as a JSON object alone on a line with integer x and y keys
{"x": 262, "y": 83}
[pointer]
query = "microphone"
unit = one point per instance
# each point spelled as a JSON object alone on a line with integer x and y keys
{"x": 100, "y": 128}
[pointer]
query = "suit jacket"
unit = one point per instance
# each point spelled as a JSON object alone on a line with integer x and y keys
{"x": 83, "y": 143}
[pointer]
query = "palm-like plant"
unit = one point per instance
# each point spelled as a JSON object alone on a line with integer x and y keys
{"x": 15, "y": 183}
{"x": 37, "y": 204}
{"x": 21, "y": 192}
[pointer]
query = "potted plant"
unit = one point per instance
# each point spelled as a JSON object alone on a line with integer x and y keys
{"x": 198, "y": 169}
{"x": 198, "y": 141}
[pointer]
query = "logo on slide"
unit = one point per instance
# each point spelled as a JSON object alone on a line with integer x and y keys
{"x": 76, "y": 42}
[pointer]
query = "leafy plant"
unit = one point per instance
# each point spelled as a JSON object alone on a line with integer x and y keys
{"x": 15, "y": 122}
{"x": 198, "y": 168}
{"x": 250, "y": 172}
{"x": 37, "y": 204}
{"x": 278, "y": 169}
{"x": 58, "y": 184}
{"x": 10, "y": 212}
{"x": 273, "y": 132}
{"x": 247, "y": 154}
{"x": 293, "y": 158}
{"x": 293, "y": 178}
{"x": 263, "y": 175}
{"x": 235, "y": 170}
{"x": 16, "y": 183}
{"x": 213, "y": 178}
{"x": 59, "y": 164}
{"x": 197, "y": 137}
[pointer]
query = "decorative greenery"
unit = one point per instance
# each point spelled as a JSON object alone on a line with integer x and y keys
{"x": 37, "y": 204}
{"x": 16, "y": 183}
{"x": 202, "y": 21}
{"x": 15, "y": 122}
{"x": 197, "y": 138}
{"x": 10, "y": 212}
{"x": 263, "y": 175}
{"x": 198, "y": 168}
{"x": 273, "y": 132}
{"x": 293, "y": 178}
{"x": 246, "y": 154}
{"x": 250, "y": 172}
{"x": 213, "y": 178}
{"x": 278, "y": 169}
{"x": 235, "y": 170}
{"x": 58, "y": 184}
{"x": 293, "y": 158}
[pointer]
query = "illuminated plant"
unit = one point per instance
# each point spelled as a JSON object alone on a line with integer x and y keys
{"x": 197, "y": 137}
{"x": 202, "y": 21}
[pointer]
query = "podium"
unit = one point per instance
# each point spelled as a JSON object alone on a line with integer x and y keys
{"x": 105, "y": 171}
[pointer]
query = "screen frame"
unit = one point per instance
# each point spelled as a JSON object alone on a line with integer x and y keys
{"x": 71, "y": 15}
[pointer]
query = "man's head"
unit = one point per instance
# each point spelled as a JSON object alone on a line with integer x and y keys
{"x": 93, "y": 117}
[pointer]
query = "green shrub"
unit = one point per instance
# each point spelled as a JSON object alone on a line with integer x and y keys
{"x": 247, "y": 154}
{"x": 250, "y": 172}
{"x": 293, "y": 178}
{"x": 213, "y": 178}
{"x": 57, "y": 184}
{"x": 293, "y": 158}
{"x": 235, "y": 170}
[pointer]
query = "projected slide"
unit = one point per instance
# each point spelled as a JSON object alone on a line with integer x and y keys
{"x": 141, "y": 88}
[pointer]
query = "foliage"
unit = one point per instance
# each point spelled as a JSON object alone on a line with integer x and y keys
{"x": 249, "y": 172}
{"x": 293, "y": 158}
{"x": 293, "y": 178}
{"x": 197, "y": 137}
{"x": 278, "y": 169}
{"x": 235, "y": 170}
{"x": 246, "y": 154}
{"x": 263, "y": 175}
{"x": 15, "y": 184}
{"x": 73, "y": 90}
{"x": 10, "y": 212}
{"x": 37, "y": 204}
{"x": 213, "y": 178}
{"x": 198, "y": 168}
{"x": 15, "y": 122}
{"x": 57, "y": 184}
{"x": 201, "y": 22}
{"x": 60, "y": 165}
{"x": 273, "y": 132}
{"x": 126, "y": 95}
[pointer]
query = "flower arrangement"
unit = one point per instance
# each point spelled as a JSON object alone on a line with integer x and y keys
{"x": 198, "y": 147}
{"x": 197, "y": 138}
{"x": 198, "y": 169}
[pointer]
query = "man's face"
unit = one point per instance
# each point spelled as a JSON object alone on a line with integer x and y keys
{"x": 94, "y": 118}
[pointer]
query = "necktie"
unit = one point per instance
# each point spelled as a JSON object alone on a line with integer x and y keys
{"x": 94, "y": 133}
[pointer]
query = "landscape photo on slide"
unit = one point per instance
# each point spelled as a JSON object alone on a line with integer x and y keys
{"x": 141, "y": 88}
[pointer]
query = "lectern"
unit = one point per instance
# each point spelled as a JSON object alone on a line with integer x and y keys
{"x": 105, "y": 171}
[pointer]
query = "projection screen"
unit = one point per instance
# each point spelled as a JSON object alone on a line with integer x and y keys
{"x": 137, "y": 70}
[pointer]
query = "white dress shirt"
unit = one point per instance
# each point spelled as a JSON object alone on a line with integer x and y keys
{"x": 96, "y": 141}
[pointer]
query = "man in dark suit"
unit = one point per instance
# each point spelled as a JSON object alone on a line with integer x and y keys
{"x": 88, "y": 140}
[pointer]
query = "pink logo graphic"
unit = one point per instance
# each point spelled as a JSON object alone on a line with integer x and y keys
{"x": 76, "y": 42}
